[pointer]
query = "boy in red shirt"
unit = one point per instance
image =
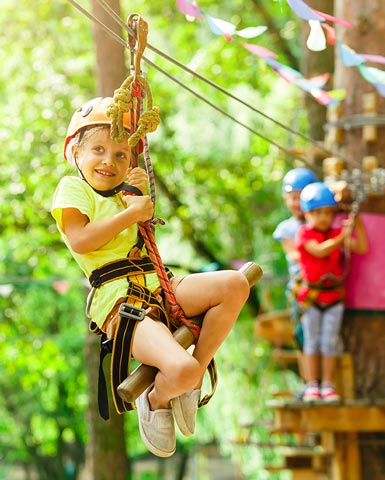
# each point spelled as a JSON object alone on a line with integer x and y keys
{"x": 321, "y": 292}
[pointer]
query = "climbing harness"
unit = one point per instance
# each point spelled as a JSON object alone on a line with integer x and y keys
{"x": 327, "y": 283}
{"x": 139, "y": 301}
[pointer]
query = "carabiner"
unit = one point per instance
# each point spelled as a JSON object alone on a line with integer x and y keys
{"x": 139, "y": 27}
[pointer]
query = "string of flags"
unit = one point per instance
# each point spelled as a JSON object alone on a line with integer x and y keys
{"x": 321, "y": 34}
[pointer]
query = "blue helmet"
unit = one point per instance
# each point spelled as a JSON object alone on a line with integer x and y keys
{"x": 297, "y": 179}
{"x": 316, "y": 195}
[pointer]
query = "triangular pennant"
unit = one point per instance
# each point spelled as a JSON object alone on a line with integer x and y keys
{"x": 258, "y": 50}
{"x": 323, "y": 97}
{"x": 251, "y": 32}
{"x": 301, "y": 9}
{"x": 220, "y": 27}
{"x": 188, "y": 8}
{"x": 348, "y": 56}
{"x": 330, "y": 18}
{"x": 330, "y": 33}
{"x": 316, "y": 40}
{"x": 371, "y": 74}
{"x": 372, "y": 58}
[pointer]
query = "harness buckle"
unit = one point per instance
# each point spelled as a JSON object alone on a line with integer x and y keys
{"x": 132, "y": 312}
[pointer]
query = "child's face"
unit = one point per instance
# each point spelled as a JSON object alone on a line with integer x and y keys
{"x": 293, "y": 204}
{"x": 321, "y": 218}
{"x": 103, "y": 162}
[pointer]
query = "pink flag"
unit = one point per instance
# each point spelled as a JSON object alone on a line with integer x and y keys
{"x": 258, "y": 50}
{"x": 322, "y": 97}
{"x": 330, "y": 18}
{"x": 372, "y": 58}
{"x": 188, "y": 8}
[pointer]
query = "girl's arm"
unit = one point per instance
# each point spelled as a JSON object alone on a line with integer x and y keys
{"x": 85, "y": 236}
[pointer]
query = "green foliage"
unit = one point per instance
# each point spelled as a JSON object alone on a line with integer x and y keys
{"x": 222, "y": 191}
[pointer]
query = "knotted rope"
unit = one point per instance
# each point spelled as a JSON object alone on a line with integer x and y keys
{"x": 124, "y": 103}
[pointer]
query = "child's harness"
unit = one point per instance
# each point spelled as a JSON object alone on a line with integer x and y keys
{"x": 139, "y": 299}
{"x": 138, "y": 303}
{"x": 328, "y": 282}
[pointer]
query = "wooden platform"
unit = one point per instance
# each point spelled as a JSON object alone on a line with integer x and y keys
{"x": 320, "y": 417}
{"x": 300, "y": 473}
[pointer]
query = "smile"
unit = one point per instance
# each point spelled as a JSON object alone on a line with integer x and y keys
{"x": 104, "y": 173}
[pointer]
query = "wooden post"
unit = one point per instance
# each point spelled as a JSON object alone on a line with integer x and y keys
{"x": 345, "y": 377}
{"x": 369, "y": 132}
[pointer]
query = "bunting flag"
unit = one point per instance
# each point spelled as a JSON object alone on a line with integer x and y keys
{"x": 304, "y": 11}
{"x": 217, "y": 25}
{"x": 373, "y": 58}
{"x": 316, "y": 40}
{"x": 348, "y": 56}
{"x": 222, "y": 27}
{"x": 258, "y": 50}
{"x": 330, "y": 33}
{"x": 190, "y": 9}
{"x": 373, "y": 75}
{"x": 313, "y": 85}
{"x": 321, "y": 34}
{"x": 316, "y": 19}
{"x": 332, "y": 19}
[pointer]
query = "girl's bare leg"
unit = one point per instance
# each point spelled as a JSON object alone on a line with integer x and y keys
{"x": 154, "y": 345}
{"x": 221, "y": 295}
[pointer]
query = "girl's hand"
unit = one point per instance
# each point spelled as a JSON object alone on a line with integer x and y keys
{"x": 140, "y": 209}
{"x": 137, "y": 177}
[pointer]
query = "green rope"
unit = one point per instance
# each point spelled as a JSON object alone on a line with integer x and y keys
{"x": 123, "y": 102}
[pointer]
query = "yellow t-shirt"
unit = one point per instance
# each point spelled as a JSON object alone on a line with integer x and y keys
{"x": 73, "y": 192}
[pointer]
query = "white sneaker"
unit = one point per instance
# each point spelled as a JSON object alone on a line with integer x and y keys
{"x": 328, "y": 394}
{"x": 311, "y": 393}
{"x": 185, "y": 409}
{"x": 156, "y": 427}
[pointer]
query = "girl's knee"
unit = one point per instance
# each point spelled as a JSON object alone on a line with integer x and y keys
{"x": 185, "y": 372}
{"x": 236, "y": 286}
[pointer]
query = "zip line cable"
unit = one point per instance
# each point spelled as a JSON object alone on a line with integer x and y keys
{"x": 129, "y": 30}
{"x": 120, "y": 40}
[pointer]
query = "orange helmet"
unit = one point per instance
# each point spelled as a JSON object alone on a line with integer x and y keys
{"x": 94, "y": 113}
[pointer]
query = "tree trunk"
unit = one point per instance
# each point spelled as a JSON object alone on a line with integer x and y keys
{"x": 110, "y": 60}
{"x": 364, "y": 331}
{"x": 368, "y": 21}
{"x": 106, "y": 456}
{"x": 106, "y": 451}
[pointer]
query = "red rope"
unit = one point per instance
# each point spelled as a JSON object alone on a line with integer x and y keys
{"x": 146, "y": 229}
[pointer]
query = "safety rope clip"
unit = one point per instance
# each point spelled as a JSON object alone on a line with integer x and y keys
{"x": 132, "y": 312}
